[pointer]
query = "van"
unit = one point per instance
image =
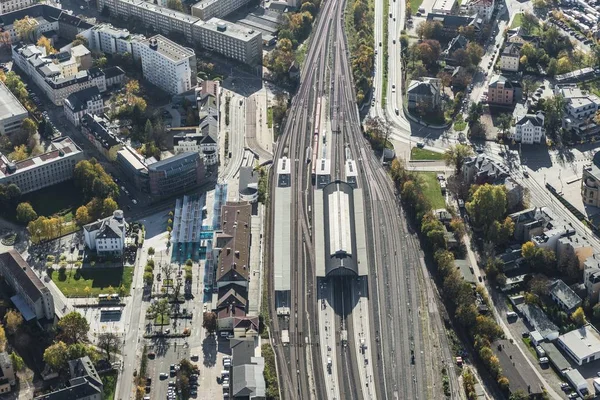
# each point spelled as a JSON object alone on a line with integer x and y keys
{"x": 224, "y": 334}
{"x": 541, "y": 352}
{"x": 225, "y": 373}
{"x": 511, "y": 314}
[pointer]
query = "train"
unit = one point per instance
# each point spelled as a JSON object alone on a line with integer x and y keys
{"x": 315, "y": 139}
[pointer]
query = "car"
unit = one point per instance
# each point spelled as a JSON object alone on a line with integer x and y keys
{"x": 573, "y": 395}
{"x": 134, "y": 201}
{"x": 543, "y": 360}
{"x": 525, "y": 334}
{"x": 420, "y": 145}
{"x": 525, "y": 174}
{"x": 172, "y": 383}
{"x": 379, "y": 44}
{"x": 393, "y": 41}
{"x": 163, "y": 375}
{"x": 167, "y": 331}
{"x": 194, "y": 357}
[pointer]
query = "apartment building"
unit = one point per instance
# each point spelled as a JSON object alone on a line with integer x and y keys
{"x": 509, "y": 58}
{"x": 483, "y": 8}
{"x": 590, "y": 182}
{"x": 194, "y": 140}
{"x": 166, "y": 64}
{"x": 86, "y": 101}
{"x": 44, "y": 170}
{"x": 7, "y": 373}
{"x": 106, "y": 236}
{"x": 500, "y": 91}
{"x": 134, "y": 166}
{"x": 176, "y": 174}
{"x": 580, "y": 109}
{"x": 33, "y": 298}
{"x": 207, "y": 9}
{"x": 529, "y": 129}
{"x": 12, "y": 112}
{"x": 229, "y": 39}
{"x": 96, "y": 130}
{"x": 56, "y": 75}
{"x": 425, "y": 92}
{"x": 7, "y": 6}
{"x": 107, "y": 39}
{"x": 82, "y": 56}
{"x": 85, "y": 383}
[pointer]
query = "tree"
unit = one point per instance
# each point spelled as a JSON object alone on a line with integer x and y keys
{"x": 109, "y": 343}
{"x": 475, "y": 113}
{"x": 56, "y": 355}
{"x": 29, "y": 127}
{"x": 209, "y": 322}
{"x": 529, "y": 22}
{"x": 554, "y": 110}
{"x": 44, "y": 42}
{"x": 475, "y": 52}
{"x": 20, "y": 153}
{"x": 456, "y": 155}
{"x": 109, "y": 206}
{"x": 80, "y": 40}
{"x": 17, "y": 362}
{"x": 528, "y": 250}
{"x": 100, "y": 62}
{"x": 151, "y": 251}
{"x": 73, "y": 328}
{"x": 539, "y": 284}
{"x": 500, "y": 233}
{"x": 25, "y": 28}
{"x": 2, "y": 338}
{"x": 13, "y": 320}
{"x": 596, "y": 311}
{"x": 578, "y": 317}
{"x": 504, "y": 122}
{"x": 488, "y": 204}
{"x": 25, "y": 213}
{"x": 82, "y": 216}
{"x": 148, "y": 130}
{"x": 176, "y": 5}
{"x": 161, "y": 309}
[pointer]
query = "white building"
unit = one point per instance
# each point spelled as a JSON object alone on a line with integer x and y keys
{"x": 33, "y": 298}
{"x": 443, "y": 6}
{"x": 106, "y": 236}
{"x": 207, "y": 9}
{"x": 248, "y": 187}
{"x": 7, "y": 373}
{"x": 47, "y": 169}
{"x": 529, "y": 129}
{"x": 580, "y": 108}
{"x": 86, "y": 101}
{"x": 509, "y": 59}
{"x": 205, "y": 143}
{"x": 12, "y": 112}
{"x": 582, "y": 345}
{"x": 483, "y": 8}
{"x": 167, "y": 65}
{"x": 106, "y": 38}
{"x": 7, "y": 6}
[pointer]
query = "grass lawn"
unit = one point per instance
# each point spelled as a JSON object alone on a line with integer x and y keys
{"x": 460, "y": 125}
{"x": 423, "y": 154}
{"x": 414, "y": 6}
{"x": 162, "y": 320}
{"x": 73, "y": 282}
{"x": 517, "y": 21}
{"x": 62, "y": 199}
{"x": 432, "y": 189}
{"x": 270, "y": 117}
{"x": 110, "y": 383}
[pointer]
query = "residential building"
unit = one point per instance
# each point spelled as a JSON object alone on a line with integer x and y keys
{"x": 514, "y": 193}
{"x": 47, "y": 169}
{"x": 590, "y": 182}
{"x": 176, "y": 174}
{"x": 482, "y": 169}
{"x": 452, "y": 23}
{"x": 564, "y": 296}
{"x": 167, "y": 65}
{"x": 532, "y": 222}
{"x": 105, "y": 38}
{"x": 247, "y": 372}
{"x": 576, "y": 245}
{"x": 529, "y": 129}
{"x": 539, "y": 321}
{"x": 86, "y": 101}
{"x": 7, "y": 373}
{"x": 501, "y": 91}
{"x": 85, "y": 383}
{"x": 12, "y": 112}
{"x": 515, "y": 367}
{"x": 581, "y": 344}
{"x": 248, "y": 187}
{"x": 591, "y": 278}
{"x": 520, "y": 36}
{"x": 207, "y": 9}
{"x": 83, "y": 57}
{"x": 509, "y": 58}
{"x": 106, "y": 236}
{"x": 198, "y": 140}
{"x": 134, "y": 167}
{"x": 445, "y": 7}
{"x": 233, "y": 245}
{"x": 459, "y": 42}
{"x": 549, "y": 238}
{"x": 212, "y": 88}
{"x": 97, "y": 131}
{"x": 114, "y": 76}
{"x": 229, "y": 39}
{"x": 579, "y": 112}
{"x": 7, "y": 6}
{"x": 482, "y": 8}
{"x": 56, "y": 75}
{"x": 33, "y": 299}
{"x": 424, "y": 93}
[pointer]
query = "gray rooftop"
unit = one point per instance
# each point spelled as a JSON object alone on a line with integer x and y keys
{"x": 565, "y": 294}
{"x": 169, "y": 48}
{"x": 12, "y": 263}
{"x": 538, "y": 319}
{"x": 9, "y": 105}
{"x": 282, "y": 239}
{"x": 582, "y": 342}
{"x": 232, "y": 30}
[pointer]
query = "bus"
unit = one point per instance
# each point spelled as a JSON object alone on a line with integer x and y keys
{"x": 108, "y": 298}
{"x": 110, "y": 311}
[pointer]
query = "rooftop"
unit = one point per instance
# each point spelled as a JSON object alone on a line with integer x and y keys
{"x": 16, "y": 266}
{"x": 168, "y": 48}
{"x": 78, "y": 101}
{"x": 234, "y": 257}
{"x": 538, "y": 319}
{"x": 229, "y": 29}
{"x": 582, "y": 342}
{"x": 565, "y": 294}
{"x": 248, "y": 181}
{"x": 9, "y": 105}
{"x": 174, "y": 162}
{"x": 515, "y": 368}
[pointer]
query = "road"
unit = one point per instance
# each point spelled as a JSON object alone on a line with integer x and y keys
{"x": 235, "y": 142}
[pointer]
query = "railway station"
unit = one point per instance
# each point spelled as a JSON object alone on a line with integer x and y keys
{"x": 281, "y": 236}
{"x": 339, "y": 230}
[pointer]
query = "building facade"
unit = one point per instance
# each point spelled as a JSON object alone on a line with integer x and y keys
{"x": 529, "y": 129}
{"x": 509, "y": 58}
{"x": 86, "y": 101}
{"x": 425, "y": 93}
{"x": 590, "y": 182}
{"x": 96, "y": 130}
{"x": 580, "y": 109}
{"x": 7, "y": 373}
{"x": 12, "y": 112}
{"x": 47, "y": 169}
{"x": 167, "y": 65}
{"x": 176, "y": 174}
{"x": 207, "y": 9}
{"x": 33, "y": 298}
{"x": 500, "y": 91}
{"x": 7, "y": 6}
{"x": 106, "y": 236}
{"x": 195, "y": 141}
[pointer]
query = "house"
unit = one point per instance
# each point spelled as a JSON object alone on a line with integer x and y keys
{"x": 202, "y": 139}
{"x": 459, "y": 42}
{"x": 514, "y": 193}
{"x": 86, "y": 101}
{"x": 233, "y": 244}
{"x": 519, "y": 36}
{"x": 482, "y": 169}
{"x": 114, "y": 76}
{"x": 529, "y": 128}
{"x": 501, "y": 91}
{"x": 106, "y": 236}
{"x": 466, "y": 271}
{"x": 452, "y": 23}
{"x": 7, "y": 373}
{"x": 581, "y": 344}
{"x": 576, "y": 244}
{"x": 85, "y": 383}
{"x": 248, "y": 186}
{"x": 482, "y": 8}
{"x": 33, "y": 299}
{"x": 96, "y": 130}
{"x": 549, "y": 238}
{"x": 591, "y": 278}
{"x": 424, "y": 93}
{"x": 516, "y": 368}
{"x": 539, "y": 321}
{"x": 564, "y": 296}
{"x": 531, "y": 222}
{"x": 247, "y": 379}
{"x": 509, "y": 58}
{"x": 511, "y": 258}
{"x": 580, "y": 109}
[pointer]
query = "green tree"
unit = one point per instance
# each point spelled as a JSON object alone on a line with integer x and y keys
{"x": 109, "y": 206}
{"x": 82, "y": 216}
{"x": 475, "y": 113}
{"x": 148, "y": 130}
{"x": 109, "y": 343}
{"x": 529, "y": 22}
{"x": 80, "y": 40}
{"x": 553, "y": 112}
{"x": 500, "y": 233}
{"x": 56, "y": 355}
{"x": 100, "y": 62}
{"x": 161, "y": 309}
{"x": 596, "y": 311}
{"x": 504, "y": 122}
{"x": 20, "y": 153}
{"x": 578, "y": 317}
{"x": 209, "y": 322}
{"x": 25, "y": 213}
{"x": 488, "y": 204}
{"x": 13, "y": 320}
{"x": 456, "y": 155}
{"x": 73, "y": 328}
{"x": 528, "y": 250}
{"x": 151, "y": 251}
{"x": 17, "y": 362}
{"x": 25, "y": 28}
